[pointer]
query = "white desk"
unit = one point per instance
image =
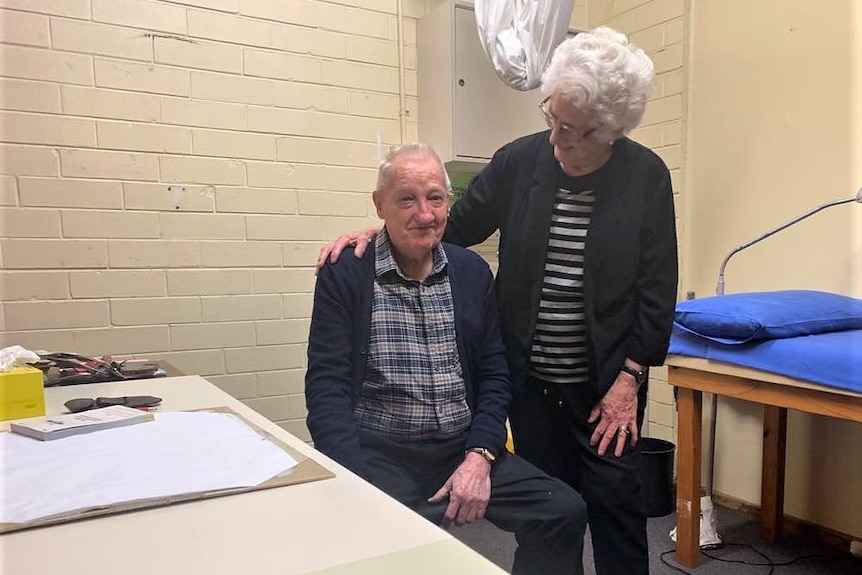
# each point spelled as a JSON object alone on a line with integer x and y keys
{"x": 334, "y": 526}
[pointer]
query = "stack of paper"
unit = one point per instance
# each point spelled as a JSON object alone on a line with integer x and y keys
{"x": 179, "y": 453}
{"x": 59, "y": 426}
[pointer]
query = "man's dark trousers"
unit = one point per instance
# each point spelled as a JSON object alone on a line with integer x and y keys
{"x": 547, "y": 516}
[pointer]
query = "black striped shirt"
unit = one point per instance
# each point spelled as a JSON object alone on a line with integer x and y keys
{"x": 559, "y": 351}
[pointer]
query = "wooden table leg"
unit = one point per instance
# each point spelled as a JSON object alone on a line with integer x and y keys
{"x": 688, "y": 477}
{"x": 772, "y": 481}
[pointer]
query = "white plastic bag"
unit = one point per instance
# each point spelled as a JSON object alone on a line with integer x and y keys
{"x": 519, "y": 36}
{"x": 14, "y": 356}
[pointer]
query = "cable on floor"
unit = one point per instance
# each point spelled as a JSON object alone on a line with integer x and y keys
{"x": 767, "y": 561}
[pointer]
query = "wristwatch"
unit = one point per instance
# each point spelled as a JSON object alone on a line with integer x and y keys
{"x": 639, "y": 374}
{"x": 489, "y": 457}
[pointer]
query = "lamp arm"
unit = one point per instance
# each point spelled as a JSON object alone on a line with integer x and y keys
{"x": 719, "y": 287}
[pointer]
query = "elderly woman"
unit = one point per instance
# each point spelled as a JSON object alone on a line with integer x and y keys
{"x": 586, "y": 283}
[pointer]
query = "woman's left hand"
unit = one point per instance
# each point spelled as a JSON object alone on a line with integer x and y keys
{"x": 617, "y": 416}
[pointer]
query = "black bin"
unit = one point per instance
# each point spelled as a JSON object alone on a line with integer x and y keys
{"x": 656, "y": 474}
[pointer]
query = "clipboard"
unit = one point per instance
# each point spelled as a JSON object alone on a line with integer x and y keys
{"x": 304, "y": 471}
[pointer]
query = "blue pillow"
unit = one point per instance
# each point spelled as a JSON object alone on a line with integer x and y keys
{"x": 742, "y": 317}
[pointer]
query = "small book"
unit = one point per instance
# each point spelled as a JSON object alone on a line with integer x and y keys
{"x": 59, "y": 426}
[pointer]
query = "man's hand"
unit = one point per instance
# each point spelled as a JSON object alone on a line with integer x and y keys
{"x": 617, "y": 416}
{"x": 469, "y": 489}
{"x": 357, "y": 238}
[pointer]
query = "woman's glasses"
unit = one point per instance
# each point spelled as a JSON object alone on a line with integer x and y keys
{"x": 568, "y": 131}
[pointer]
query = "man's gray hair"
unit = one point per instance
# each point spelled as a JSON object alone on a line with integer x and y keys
{"x": 384, "y": 172}
{"x": 603, "y": 76}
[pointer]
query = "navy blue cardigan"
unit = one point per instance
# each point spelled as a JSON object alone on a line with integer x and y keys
{"x": 338, "y": 348}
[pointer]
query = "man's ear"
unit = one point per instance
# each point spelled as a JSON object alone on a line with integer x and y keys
{"x": 376, "y": 197}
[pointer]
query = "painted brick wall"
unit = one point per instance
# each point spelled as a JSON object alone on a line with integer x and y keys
{"x": 170, "y": 170}
{"x": 657, "y": 26}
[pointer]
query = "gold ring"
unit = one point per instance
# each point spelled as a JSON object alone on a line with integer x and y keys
{"x": 623, "y": 431}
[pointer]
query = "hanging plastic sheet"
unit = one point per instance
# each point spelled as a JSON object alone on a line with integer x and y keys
{"x": 519, "y": 36}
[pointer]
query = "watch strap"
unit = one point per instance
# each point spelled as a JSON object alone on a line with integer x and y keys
{"x": 486, "y": 453}
{"x": 640, "y": 375}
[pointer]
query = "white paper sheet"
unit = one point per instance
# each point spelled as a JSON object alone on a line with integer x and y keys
{"x": 178, "y": 453}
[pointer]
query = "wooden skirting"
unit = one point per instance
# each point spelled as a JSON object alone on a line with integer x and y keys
{"x": 792, "y": 525}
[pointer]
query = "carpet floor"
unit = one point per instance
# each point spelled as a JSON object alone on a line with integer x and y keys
{"x": 745, "y": 553}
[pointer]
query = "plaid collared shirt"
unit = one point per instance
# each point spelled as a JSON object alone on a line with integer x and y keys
{"x": 413, "y": 384}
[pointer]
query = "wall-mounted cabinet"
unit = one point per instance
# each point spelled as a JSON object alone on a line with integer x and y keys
{"x": 466, "y": 112}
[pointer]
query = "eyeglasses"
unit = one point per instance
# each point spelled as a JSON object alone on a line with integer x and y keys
{"x": 87, "y": 403}
{"x": 568, "y": 131}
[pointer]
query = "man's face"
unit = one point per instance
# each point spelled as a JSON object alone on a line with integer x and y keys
{"x": 414, "y": 205}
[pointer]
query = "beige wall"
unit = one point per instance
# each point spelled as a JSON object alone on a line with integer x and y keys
{"x": 774, "y": 130}
{"x": 170, "y": 170}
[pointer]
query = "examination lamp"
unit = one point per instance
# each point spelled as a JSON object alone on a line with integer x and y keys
{"x": 719, "y": 287}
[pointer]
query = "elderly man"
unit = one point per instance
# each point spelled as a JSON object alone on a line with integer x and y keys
{"x": 407, "y": 383}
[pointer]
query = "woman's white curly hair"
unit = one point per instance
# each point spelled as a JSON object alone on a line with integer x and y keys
{"x": 605, "y": 77}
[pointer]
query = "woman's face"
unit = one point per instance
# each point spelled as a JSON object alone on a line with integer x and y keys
{"x": 573, "y": 137}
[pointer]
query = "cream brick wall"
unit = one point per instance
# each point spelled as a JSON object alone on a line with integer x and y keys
{"x": 170, "y": 169}
{"x": 658, "y": 27}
